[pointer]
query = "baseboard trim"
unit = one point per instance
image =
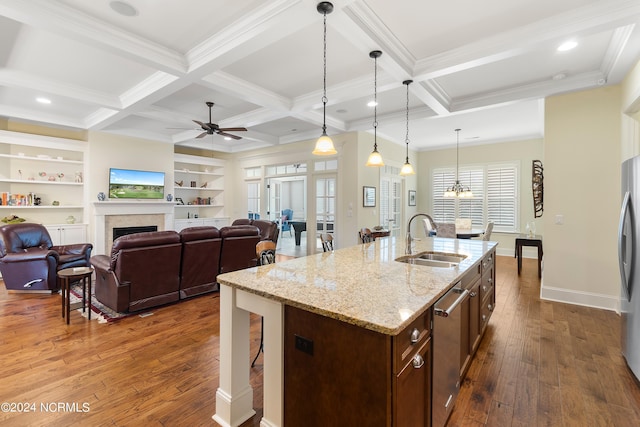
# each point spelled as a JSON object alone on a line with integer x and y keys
{"x": 587, "y": 299}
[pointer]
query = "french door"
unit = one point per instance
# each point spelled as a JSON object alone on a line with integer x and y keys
{"x": 325, "y": 206}
{"x": 391, "y": 204}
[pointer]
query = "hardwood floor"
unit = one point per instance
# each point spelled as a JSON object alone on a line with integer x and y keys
{"x": 540, "y": 363}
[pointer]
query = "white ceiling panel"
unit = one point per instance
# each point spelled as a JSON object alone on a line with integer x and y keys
{"x": 485, "y": 67}
{"x": 61, "y": 59}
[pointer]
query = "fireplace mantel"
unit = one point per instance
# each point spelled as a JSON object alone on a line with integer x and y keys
{"x": 128, "y": 207}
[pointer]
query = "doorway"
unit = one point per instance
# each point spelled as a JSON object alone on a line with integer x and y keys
{"x": 288, "y": 195}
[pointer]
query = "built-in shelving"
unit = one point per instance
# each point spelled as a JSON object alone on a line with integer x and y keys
{"x": 198, "y": 188}
{"x": 46, "y": 168}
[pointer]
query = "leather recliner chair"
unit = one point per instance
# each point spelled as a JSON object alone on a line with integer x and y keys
{"x": 268, "y": 229}
{"x": 142, "y": 271}
{"x": 200, "y": 260}
{"x": 30, "y": 261}
{"x": 238, "y": 247}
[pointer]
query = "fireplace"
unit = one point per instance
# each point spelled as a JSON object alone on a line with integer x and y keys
{"x": 124, "y": 214}
{"x": 123, "y": 231}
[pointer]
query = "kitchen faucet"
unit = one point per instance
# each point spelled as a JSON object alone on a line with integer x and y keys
{"x": 409, "y": 238}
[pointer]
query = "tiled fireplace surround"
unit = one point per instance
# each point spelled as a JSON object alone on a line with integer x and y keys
{"x": 110, "y": 214}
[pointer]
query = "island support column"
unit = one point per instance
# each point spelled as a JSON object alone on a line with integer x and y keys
{"x": 234, "y": 398}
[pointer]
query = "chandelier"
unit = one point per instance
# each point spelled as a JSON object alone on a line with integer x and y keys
{"x": 457, "y": 189}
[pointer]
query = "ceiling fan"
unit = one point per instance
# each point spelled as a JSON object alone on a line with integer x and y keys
{"x": 212, "y": 128}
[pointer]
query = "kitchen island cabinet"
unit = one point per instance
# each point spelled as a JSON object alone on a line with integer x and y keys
{"x": 347, "y": 335}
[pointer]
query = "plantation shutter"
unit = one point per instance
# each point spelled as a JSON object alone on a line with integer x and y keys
{"x": 444, "y": 209}
{"x": 472, "y": 208}
{"x": 502, "y": 197}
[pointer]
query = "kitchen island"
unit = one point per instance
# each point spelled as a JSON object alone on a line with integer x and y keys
{"x": 369, "y": 303}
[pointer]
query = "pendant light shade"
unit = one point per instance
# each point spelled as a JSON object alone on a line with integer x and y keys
{"x": 324, "y": 144}
{"x": 407, "y": 169}
{"x": 457, "y": 189}
{"x": 375, "y": 159}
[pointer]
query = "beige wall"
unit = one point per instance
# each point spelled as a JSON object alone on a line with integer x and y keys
{"x": 522, "y": 152}
{"x": 630, "y": 143}
{"x": 582, "y": 184}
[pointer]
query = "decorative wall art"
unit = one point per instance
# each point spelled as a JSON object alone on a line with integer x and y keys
{"x": 537, "y": 185}
{"x": 368, "y": 197}
{"x": 412, "y": 197}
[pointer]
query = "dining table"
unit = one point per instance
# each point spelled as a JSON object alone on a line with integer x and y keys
{"x": 468, "y": 233}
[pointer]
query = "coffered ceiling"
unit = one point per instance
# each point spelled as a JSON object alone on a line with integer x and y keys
{"x": 484, "y": 67}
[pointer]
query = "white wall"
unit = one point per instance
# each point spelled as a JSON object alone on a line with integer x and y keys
{"x": 108, "y": 150}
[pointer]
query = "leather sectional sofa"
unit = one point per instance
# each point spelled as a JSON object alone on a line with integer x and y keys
{"x": 145, "y": 270}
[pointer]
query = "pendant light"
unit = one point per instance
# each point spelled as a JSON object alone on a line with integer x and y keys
{"x": 324, "y": 144}
{"x": 407, "y": 169}
{"x": 457, "y": 189}
{"x": 375, "y": 159}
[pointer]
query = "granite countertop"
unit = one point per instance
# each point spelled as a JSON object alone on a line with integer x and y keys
{"x": 363, "y": 284}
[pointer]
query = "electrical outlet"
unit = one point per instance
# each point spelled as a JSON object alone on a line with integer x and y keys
{"x": 304, "y": 344}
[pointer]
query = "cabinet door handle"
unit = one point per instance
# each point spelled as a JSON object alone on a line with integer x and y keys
{"x": 472, "y": 294}
{"x": 490, "y": 280}
{"x": 490, "y": 307}
{"x": 418, "y": 361}
{"x": 484, "y": 317}
{"x": 484, "y": 288}
{"x": 415, "y": 336}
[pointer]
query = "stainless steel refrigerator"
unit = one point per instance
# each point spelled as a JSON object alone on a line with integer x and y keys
{"x": 629, "y": 260}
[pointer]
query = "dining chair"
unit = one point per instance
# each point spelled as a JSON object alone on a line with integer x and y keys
{"x": 266, "y": 253}
{"x": 463, "y": 223}
{"x": 429, "y": 227}
{"x": 286, "y": 218}
{"x": 365, "y": 235}
{"x": 487, "y": 232}
{"x": 446, "y": 229}
{"x": 327, "y": 242}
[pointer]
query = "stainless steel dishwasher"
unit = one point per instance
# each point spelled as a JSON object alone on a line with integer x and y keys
{"x": 447, "y": 323}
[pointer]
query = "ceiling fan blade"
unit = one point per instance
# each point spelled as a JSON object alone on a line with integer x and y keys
{"x": 228, "y": 135}
{"x": 203, "y": 125}
{"x": 233, "y": 129}
{"x": 202, "y": 135}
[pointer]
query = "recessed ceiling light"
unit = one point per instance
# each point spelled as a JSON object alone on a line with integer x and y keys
{"x": 123, "y": 8}
{"x": 226, "y": 138}
{"x": 42, "y": 100}
{"x": 567, "y": 45}
{"x": 559, "y": 76}
{"x": 372, "y": 104}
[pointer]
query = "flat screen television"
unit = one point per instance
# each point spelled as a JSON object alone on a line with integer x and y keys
{"x": 135, "y": 184}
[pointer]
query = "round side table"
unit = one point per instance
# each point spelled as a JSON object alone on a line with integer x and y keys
{"x": 69, "y": 275}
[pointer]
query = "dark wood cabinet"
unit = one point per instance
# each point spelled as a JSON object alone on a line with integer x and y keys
{"x": 476, "y": 309}
{"x": 337, "y": 373}
{"x": 412, "y": 391}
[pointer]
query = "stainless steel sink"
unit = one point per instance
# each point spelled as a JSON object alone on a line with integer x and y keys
{"x": 433, "y": 259}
